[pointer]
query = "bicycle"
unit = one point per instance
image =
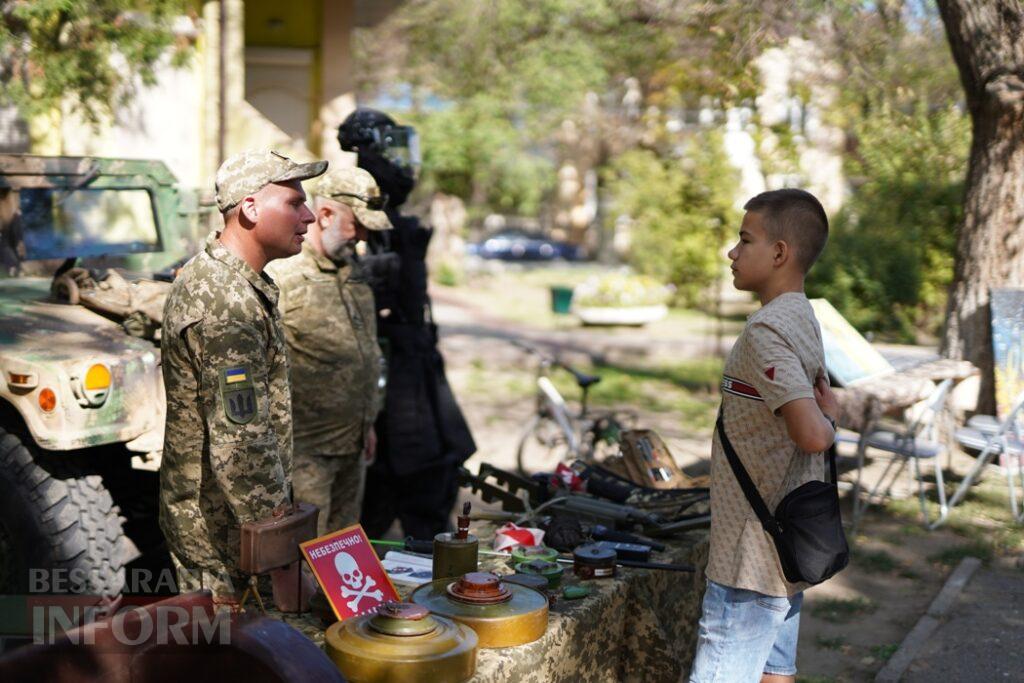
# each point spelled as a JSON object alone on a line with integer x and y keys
{"x": 553, "y": 434}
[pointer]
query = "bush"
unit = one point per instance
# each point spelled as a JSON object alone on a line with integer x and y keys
{"x": 448, "y": 274}
{"x": 889, "y": 260}
{"x": 680, "y": 208}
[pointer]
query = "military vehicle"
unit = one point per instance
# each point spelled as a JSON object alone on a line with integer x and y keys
{"x": 84, "y": 245}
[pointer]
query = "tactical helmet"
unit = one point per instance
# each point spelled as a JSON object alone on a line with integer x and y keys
{"x": 368, "y": 131}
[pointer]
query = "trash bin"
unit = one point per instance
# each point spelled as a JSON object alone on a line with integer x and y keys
{"x": 561, "y": 299}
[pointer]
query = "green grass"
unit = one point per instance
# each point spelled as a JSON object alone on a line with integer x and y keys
{"x": 840, "y": 611}
{"x": 884, "y": 652}
{"x": 522, "y": 295}
{"x": 875, "y": 561}
{"x": 952, "y": 556}
{"x": 983, "y": 519}
{"x": 836, "y": 643}
{"x": 908, "y": 573}
{"x": 682, "y": 389}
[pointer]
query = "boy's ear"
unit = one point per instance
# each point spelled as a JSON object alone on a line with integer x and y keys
{"x": 781, "y": 253}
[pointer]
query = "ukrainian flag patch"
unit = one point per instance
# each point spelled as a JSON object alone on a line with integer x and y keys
{"x": 233, "y": 375}
{"x": 238, "y": 393}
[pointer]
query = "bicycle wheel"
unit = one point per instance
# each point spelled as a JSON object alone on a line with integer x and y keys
{"x": 542, "y": 446}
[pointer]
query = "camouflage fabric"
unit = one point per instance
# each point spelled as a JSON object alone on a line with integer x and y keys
{"x": 138, "y": 304}
{"x": 357, "y": 188}
{"x": 640, "y": 626}
{"x": 331, "y": 328}
{"x": 334, "y": 483}
{"x": 247, "y": 173}
{"x": 864, "y": 403}
{"x": 227, "y": 456}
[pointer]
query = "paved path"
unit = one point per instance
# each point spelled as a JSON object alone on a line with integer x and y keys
{"x": 980, "y": 638}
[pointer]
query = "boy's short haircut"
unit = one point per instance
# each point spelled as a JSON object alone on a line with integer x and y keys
{"x": 795, "y": 217}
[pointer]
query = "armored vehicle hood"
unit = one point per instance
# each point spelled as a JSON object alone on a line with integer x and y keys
{"x": 76, "y": 377}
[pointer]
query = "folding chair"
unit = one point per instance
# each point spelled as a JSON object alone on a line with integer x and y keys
{"x": 917, "y": 441}
{"x": 987, "y": 434}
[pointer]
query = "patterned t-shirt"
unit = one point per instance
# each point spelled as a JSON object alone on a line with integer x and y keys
{"x": 774, "y": 361}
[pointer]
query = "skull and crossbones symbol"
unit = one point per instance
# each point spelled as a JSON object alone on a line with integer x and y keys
{"x": 357, "y": 584}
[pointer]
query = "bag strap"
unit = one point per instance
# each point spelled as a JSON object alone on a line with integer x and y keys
{"x": 749, "y": 489}
{"x": 832, "y": 462}
{"x": 768, "y": 521}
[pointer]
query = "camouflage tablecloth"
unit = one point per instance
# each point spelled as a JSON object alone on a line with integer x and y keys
{"x": 639, "y": 626}
{"x": 864, "y": 403}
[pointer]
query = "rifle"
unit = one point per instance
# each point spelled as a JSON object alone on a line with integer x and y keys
{"x": 522, "y": 499}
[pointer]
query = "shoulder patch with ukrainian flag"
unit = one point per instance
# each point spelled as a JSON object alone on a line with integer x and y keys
{"x": 238, "y": 393}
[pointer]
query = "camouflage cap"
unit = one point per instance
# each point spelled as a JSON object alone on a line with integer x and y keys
{"x": 246, "y": 173}
{"x": 356, "y": 188}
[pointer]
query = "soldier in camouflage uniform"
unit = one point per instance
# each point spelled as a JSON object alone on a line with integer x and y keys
{"x": 331, "y": 329}
{"x": 227, "y": 455}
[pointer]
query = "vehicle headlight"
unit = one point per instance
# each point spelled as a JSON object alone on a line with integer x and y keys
{"x": 94, "y": 385}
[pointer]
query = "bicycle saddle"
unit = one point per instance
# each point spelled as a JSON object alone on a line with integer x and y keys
{"x": 583, "y": 379}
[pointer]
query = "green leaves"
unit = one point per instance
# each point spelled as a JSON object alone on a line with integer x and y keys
{"x": 88, "y": 49}
{"x": 473, "y": 150}
{"x": 889, "y": 260}
{"x": 680, "y": 213}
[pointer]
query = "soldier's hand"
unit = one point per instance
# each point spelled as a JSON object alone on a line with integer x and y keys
{"x": 370, "y": 448}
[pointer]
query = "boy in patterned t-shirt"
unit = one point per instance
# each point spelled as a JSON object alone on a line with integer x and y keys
{"x": 779, "y": 414}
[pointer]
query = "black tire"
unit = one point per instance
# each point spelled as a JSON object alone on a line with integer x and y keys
{"x": 69, "y": 527}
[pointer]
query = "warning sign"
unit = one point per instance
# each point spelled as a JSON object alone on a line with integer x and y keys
{"x": 349, "y": 572}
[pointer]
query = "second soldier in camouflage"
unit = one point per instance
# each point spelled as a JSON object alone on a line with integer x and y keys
{"x": 330, "y": 326}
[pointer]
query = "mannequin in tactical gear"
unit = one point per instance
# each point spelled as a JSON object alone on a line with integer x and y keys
{"x": 422, "y": 435}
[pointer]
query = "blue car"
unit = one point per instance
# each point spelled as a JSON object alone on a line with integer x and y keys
{"x": 514, "y": 244}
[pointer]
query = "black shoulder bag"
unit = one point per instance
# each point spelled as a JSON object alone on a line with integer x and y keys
{"x": 807, "y": 527}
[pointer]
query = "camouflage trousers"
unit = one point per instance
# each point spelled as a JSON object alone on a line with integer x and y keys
{"x": 221, "y": 582}
{"x": 334, "y": 483}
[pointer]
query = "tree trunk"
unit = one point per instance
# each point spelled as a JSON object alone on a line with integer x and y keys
{"x": 987, "y": 40}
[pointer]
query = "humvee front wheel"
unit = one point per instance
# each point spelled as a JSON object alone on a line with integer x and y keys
{"x": 57, "y": 534}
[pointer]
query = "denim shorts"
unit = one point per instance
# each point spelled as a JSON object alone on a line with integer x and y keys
{"x": 744, "y": 634}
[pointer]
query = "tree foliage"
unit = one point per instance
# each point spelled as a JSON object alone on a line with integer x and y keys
{"x": 474, "y": 152}
{"x": 888, "y": 264}
{"x": 680, "y": 210}
{"x": 889, "y": 260}
{"x": 91, "y": 50}
{"x": 510, "y": 72}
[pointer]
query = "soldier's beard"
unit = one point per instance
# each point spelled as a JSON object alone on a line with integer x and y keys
{"x": 336, "y": 247}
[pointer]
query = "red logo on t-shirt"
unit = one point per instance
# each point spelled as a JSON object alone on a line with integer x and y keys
{"x": 770, "y": 373}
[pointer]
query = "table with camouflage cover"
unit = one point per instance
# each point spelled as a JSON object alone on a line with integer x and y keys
{"x": 862, "y": 405}
{"x": 638, "y": 626}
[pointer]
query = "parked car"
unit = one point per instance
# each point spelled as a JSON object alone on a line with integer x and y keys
{"x": 516, "y": 244}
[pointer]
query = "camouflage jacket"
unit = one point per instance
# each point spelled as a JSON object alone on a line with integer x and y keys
{"x": 331, "y": 327}
{"x": 227, "y": 455}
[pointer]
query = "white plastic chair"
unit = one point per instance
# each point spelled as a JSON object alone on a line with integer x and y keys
{"x": 992, "y": 437}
